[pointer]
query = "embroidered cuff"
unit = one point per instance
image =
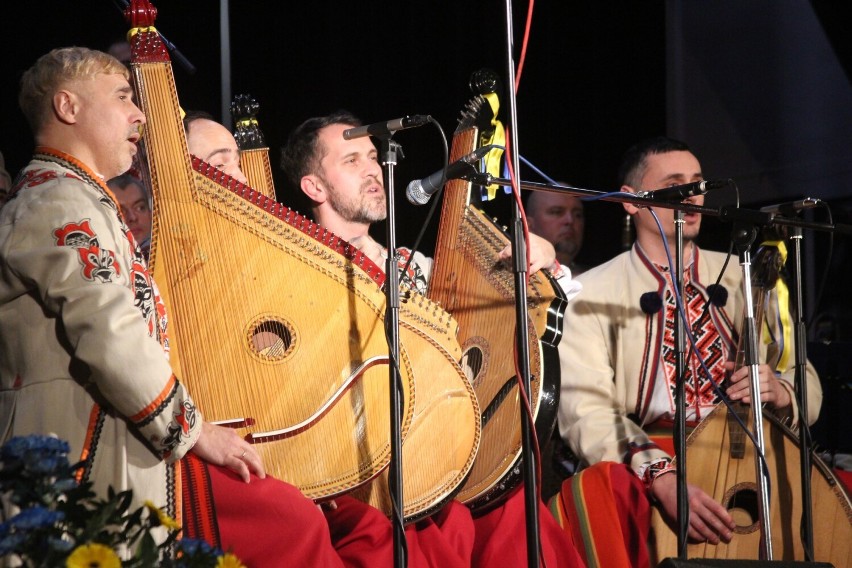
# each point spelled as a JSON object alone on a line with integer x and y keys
{"x": 650, "y": 471}
{"x": 556, "y": 269}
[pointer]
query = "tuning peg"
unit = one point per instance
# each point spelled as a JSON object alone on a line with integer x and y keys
{"x": 484, "y": 81}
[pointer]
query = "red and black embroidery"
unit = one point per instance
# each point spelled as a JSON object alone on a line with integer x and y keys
{"x": 698, "y": 388}
{"x": 98, "y": 264}
{"x": 162, "y": 319}
{"x": 414, "y": 276}
{"x": 143, "y": 296}
{"x": 32, "y": 178}
{"x": 652, "y": 470}
{"x": 180, "y": 427}
{"x": 199, "y": 506}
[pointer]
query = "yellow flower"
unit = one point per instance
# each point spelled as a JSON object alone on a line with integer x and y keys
{"x": 164, "y": 519}
{"x": 228, "y": 560}
{"x": 93, "y": 555}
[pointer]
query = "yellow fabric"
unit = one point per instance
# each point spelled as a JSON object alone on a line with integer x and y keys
{"x": 498, "y": 138}
{"x": 783, "y": 309}
{"x": 134, "y": 31}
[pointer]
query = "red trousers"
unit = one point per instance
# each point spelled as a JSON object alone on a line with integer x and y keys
{"x": 269, "y": 523}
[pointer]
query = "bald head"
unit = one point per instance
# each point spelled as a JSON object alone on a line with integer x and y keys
{"x": 557, "y": 217}
{"x": 213, "y": 143}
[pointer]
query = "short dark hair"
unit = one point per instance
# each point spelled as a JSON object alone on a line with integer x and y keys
{"x": 126, "y": 179}
{"x": 634, "y": 162}
{"x": 303, "y": 153}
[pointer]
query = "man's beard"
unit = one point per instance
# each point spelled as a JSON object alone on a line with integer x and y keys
{"x": 358, "y": 209}
{"x": 690, "y": 234}
{"x": 567, "y": 247}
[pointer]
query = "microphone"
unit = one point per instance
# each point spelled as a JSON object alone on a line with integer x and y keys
{"x": 790, "y": 207}
{"x": 420, "y": 190}
{"x": 681, "y": 192}
{"x": 382, "y": 129}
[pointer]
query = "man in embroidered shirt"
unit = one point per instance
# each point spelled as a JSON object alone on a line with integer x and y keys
{"x": 83, "y": 346}
{"x": 617, "y": 356}
{"x": 343, "y": 180}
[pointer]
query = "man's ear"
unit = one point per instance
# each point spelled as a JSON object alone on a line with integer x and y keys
{"x": 66, "y": 105}
{"x": 629, "y": 207}
{"x": 313, "y": 188}
{"x": 531, "y": 224}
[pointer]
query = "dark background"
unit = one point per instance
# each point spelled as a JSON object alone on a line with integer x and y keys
{"x": 742, "y": 83}
{"x": 586, "y": 91}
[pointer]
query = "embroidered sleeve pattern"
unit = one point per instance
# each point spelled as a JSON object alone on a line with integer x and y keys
{"x": 162, "y": 320}
{"x": 177, "y": 412}
{"x": 68, "y": 248}
{"x": 99, "y": 265}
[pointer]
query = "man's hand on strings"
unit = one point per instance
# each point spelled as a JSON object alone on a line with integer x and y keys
{"x": 223, "y": 446}
{"x": 708, "y": 520}
{"x": 542, "y": 253}
{"x": 771, "y": 389}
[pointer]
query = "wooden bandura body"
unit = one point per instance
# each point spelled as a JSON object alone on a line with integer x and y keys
{"x": 710, "y": 467}
{"x": 721, "y": 461}
{"x": 276, "y": 324}
{"x": 469, "y": 282}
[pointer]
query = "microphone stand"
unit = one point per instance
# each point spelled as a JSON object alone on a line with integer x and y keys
{"x": 743, "y": 236}
{"x": 680, "y": 394}
{"x": 390, "y": 148}
{"x": 801, "y": 385}
{"x": 519, "y": 254}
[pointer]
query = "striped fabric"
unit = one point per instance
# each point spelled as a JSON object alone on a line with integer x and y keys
{"x": 605, "y": 511}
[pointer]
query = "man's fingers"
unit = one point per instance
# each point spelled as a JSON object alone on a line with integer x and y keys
{"x": 255, "y": 464}
{"x": 238, "y": 466}
{"x": 700, "y": 531}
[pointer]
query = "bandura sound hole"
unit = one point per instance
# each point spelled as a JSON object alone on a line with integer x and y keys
{"x": 742, "y": 504}
{"x": 271, "y": 339}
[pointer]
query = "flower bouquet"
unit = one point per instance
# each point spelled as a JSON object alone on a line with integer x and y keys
{"x": 61, "y": 522}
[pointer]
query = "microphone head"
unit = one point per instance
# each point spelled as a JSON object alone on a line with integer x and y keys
{"x": 415, "y": 193}
{"x": 351, "y": 133}
{"x": 710, "y": 185}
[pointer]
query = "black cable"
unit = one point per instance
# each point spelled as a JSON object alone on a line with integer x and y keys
{"x": 435, "y": 202}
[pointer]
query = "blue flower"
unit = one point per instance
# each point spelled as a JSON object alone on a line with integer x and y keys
{"x": 21, "y": 446}
{"x": 195, "y": 547}
{"x": 35, "y": 518}
{"x": 46, "y": 464}
{"x": 10, "y": 543}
